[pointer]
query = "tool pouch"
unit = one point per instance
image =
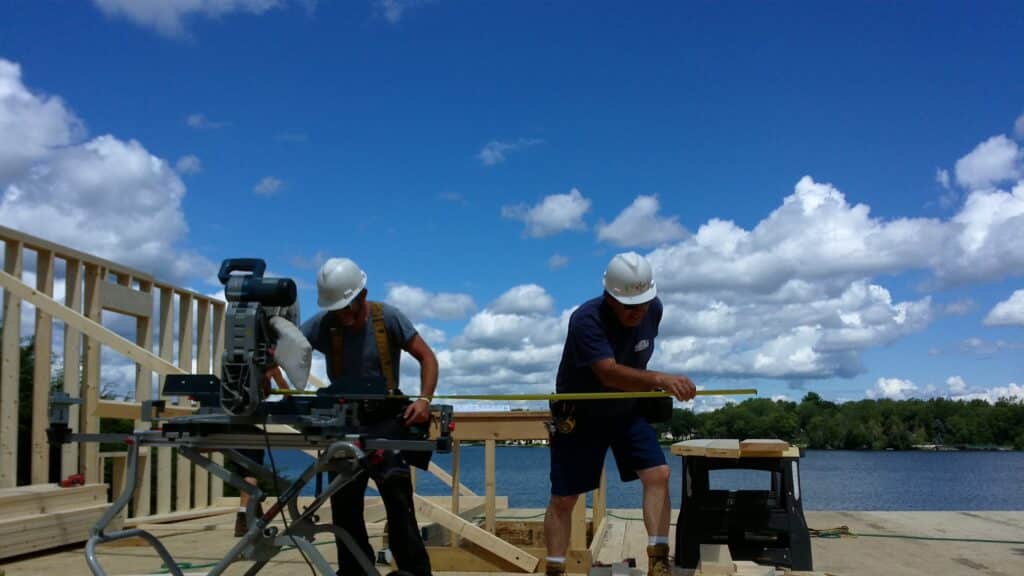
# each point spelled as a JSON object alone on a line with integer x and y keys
{"x": 563, "y": 417}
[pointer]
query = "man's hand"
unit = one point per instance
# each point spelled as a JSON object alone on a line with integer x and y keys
{"x": 417, "y": 412}
{"x": 679, "y": 386}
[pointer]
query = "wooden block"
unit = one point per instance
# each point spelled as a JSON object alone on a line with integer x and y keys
{"x": 49, "y": 498}
{"x": 43, "y": 531}
{"x": 715, "y": 559}
{"x": 426, "y": 510}
{"x": 762, "y": 445}
{"x": 748, "y": 568}
{"x": 697, "y": 447}
{"x": 723, "y": 448}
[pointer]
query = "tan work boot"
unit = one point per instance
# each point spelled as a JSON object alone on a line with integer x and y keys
{"x": 658, "y": 563}
{"x": 554, "y": 569}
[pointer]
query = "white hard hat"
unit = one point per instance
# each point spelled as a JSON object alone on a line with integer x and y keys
{"x": 629, "y": 279}
{"x": 339, "y": 282}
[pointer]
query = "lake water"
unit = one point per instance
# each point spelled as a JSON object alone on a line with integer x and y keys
{"x": 830, "y": 480}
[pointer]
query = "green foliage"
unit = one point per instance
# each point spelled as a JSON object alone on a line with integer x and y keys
{"x": 861, "y": 425}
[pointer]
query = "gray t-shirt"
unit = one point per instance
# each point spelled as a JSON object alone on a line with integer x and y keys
{"x": 359, "y": 348}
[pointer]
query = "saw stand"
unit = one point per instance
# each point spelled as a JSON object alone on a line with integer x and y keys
{"x": 343, "y": 447}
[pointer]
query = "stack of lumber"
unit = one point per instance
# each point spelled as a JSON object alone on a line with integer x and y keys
{"x": 42, "y": 516}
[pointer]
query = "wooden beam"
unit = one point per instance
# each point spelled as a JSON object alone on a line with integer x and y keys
{"x": 23, "y": 535}
{"x": 183, "y": 489}
{"x": 41, "y": 373}
{"x": 448, "y": 479}
{"x": 11, "y": 370}
{"x": 456, "y": 492}
{"x": 164, "y": 456}
{"x": 179, "y": 516}
{"x": 490, "y": 483}
{"x": 124, "y": 300}
{"x": 578, "y": 539}
{"x": 201, "y": 494}
{"x": 37, "y": 243}
{"x": 501, "y": 425}
{"x": 72, "y": 360}
{"x": 219, "y": 310}
{"x": 132, "y": 410}
{"x": 601, "y": 527}
{"x": 90, "y": 422}
{"x": 426, "y": 509}
{"x": 600, "y": 501}
{"x": 143, "y": 391}
{"x": 88, "y": 326}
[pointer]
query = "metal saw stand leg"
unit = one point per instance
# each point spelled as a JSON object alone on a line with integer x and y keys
{"x": 97, "y": 536}
{"x": 260, "y": 543}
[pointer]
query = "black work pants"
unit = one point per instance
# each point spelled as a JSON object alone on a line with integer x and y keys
{"x": 395, "y": 485}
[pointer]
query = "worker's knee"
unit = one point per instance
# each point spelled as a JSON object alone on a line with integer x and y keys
{"x": 656, "y": 476}
{"x": 563, "y": 503}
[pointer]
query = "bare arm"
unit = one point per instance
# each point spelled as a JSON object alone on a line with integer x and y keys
{"x": 614, "y": 375}
{"x": 419, "y": 411}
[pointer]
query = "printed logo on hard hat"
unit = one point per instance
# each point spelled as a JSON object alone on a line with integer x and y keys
{"x": 636, "y": 288}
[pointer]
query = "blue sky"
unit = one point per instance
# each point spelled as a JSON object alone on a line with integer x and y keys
{"x": 832, "y": 195}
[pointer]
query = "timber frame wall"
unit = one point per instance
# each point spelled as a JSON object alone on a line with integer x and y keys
{"x": 188, "y": 328}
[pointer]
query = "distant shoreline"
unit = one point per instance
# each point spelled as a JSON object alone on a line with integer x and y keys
{"x": 922, "y": 448}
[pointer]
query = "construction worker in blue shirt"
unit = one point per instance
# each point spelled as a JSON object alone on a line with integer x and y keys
{"x": 608, "y": 345}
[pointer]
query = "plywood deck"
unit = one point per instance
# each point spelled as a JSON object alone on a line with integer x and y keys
{"x": 203, "y": 541}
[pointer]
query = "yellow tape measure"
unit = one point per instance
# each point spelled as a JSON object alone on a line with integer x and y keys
{"x": 566, "y": 396}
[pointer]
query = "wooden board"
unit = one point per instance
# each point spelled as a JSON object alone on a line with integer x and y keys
{"x": 9, "y": 396}
{"x": 763, "y": 448}
{"x": 49, "y": 498}
{"x": 697, "y": 447}
{"x": 724, "y": 448}
{"x": 426, "y": 510}
{"x": 125, "y": 300}
{"x": 42, "y": 531}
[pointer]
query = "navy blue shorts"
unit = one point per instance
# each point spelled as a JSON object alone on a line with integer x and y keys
{"x": 577, "y": 458}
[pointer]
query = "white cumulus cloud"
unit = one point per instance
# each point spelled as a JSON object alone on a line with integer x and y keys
{"x": 33, "y": 125}
{"x": 526, "y": 299}
{"x": 418, "y": 303}
{"x": 993, "y": 161}
{"x": 557, "y": 261}
{"x": 956, "y": 384}
{"x": 892, "y": 389}
{"x": 1011, "y": 391}
{"x": 168, "y": 16}
{"x": 394, "y": 10}
{"x": 1008, "y": 312}
{"x": 494, "y": 151}
{"x": 188, "y": 164}
{"x": 640, "y": 225}
{"x": 268, "y": 186}
{"x": 104, "y": 196}
{"x": 554, "y": 214}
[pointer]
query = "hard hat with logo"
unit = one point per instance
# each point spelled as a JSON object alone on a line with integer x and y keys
{"x": 629, "y": 279}
{"x": 339, "y": 282}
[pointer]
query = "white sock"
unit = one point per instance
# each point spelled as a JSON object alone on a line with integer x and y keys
{"x": 555, "y": 559}
{"x": 241, "y": 508}
{"x": 652, "y": 540}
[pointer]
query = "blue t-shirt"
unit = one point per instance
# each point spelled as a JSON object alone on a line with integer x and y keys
{"x": 595, "y": 334}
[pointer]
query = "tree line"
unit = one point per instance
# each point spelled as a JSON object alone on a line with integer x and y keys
{"x": 861, "y": 425}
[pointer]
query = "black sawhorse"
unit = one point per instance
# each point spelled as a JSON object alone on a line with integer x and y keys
{"x": 765, "y": 526}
